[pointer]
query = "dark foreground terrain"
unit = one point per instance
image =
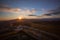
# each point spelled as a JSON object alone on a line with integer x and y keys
{"x": 30, "y": 30}
{"x": 18, "y": 36}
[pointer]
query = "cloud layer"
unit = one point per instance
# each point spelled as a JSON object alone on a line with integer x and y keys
{"x": 5, "y": 8}
{"x": 53, "y": 12}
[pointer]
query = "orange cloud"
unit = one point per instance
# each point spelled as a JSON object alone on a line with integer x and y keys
{"x": 17, "y": 10}
{"x": 6, "y": 8}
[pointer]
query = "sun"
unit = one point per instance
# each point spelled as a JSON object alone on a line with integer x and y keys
{"x": 19, "y": 18}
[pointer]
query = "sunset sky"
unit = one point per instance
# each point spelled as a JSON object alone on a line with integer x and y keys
{"x": 12, "y": 9}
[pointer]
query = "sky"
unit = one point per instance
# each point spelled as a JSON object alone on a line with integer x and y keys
{"x": 12, "y": 9}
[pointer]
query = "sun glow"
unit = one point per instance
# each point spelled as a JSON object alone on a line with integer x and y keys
{"x": 20, "y": 18}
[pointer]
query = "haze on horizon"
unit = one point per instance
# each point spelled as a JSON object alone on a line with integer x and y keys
{"x": 12, "y": 9}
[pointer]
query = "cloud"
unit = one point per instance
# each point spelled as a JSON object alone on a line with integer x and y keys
{"x": 52, "y": 13}
{"x": 6, "y": 8}
{"x": 3, "y": 5}
{"x": 33, "y": 10}
{"x": 55, "y": 11}
{"x": 32, "y": 15}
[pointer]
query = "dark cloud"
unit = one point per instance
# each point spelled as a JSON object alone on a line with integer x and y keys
{"x": 57, "y": 11}
{"x": 53, "y": 12}
{"x": 32, "y": 15}
{"x": 4, "y": 6}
